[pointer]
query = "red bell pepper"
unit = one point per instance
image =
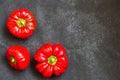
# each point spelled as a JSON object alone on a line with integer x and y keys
{"x": 18, "y": 57}
{"x": 51, "y": 59}
{"x": 21, "y": 23}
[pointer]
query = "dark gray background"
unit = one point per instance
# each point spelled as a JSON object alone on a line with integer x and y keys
{"x": 89, "y": 29}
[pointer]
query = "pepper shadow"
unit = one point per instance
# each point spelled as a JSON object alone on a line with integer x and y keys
{"x": 35, "y": 73}
{"x": 10, "y": 38}
{"x": 7, "y": 66}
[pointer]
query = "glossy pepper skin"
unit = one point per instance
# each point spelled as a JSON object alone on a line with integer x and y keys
{"x": 52, "y": 60}
{"x": 18, "y": 57}
{"x": 21, "y": 23}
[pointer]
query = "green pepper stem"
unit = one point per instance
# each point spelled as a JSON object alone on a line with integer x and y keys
{"x": 52, "y": 60}
{"x": 13, "y": 60}
{"x": 21, "y": 22}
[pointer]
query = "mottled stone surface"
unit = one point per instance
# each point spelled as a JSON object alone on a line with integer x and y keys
{"x": 89, "y": 29}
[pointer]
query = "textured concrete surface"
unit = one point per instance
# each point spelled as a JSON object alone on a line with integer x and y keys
{"x": 89, "y": 29}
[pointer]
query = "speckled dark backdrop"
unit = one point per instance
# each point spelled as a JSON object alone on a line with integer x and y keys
{"x": 89, "y": 29}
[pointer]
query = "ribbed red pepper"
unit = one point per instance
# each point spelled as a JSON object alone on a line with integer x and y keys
{"x": 21, "y": 23}
{"x": 18, "y": 57}
{"x": 51, "y": 59}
